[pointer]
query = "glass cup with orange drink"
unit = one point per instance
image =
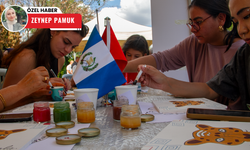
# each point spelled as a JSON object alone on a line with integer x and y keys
{"x": 85, "y": 112}
{"x": 130, "y": 117}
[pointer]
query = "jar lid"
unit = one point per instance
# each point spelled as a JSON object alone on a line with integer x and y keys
{"x": 68, "y": 139}
{"x": 55, "y": 132}
{"x": 65, "y": 124}
{"x": 61, "y": 104}
{"x": 41, "y": 104}
{"x": 85, "y": 105}
{"x": 120, "y": 102}
{"x": 69, "y": 100}
{"x": 89, "y": 132}
{"x": 147, "y": 117}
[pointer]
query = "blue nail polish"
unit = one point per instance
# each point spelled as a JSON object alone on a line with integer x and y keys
{"x": 50, "y": 92}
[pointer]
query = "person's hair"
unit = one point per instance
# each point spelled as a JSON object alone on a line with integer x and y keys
{"x": 136, "y": 42}
{"x": 214, "y": 7}
{"x": 9, "y": 8}
{"x": 40, "y": 43}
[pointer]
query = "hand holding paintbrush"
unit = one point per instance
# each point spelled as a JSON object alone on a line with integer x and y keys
{"x": 50, "y": 84}
{"x": 138, "y": 76}
{"x": 54, "y": 75}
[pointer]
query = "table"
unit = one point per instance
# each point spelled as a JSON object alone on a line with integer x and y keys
{"x": 113, "y": 137}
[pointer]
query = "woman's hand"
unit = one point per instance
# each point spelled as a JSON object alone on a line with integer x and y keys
{"x": 73, "y": 84}
{"x": 35, "y": 80}
{"x": 61, "y": 82}
{"x": 35, "y": 84}
{"x": 155, "y": 79}
{"x": 57, "y": 82}
{"x": 152, "y": 77}
{"x": 67, "y": 84}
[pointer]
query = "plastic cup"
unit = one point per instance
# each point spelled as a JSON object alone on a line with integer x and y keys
{"x": 92, "y": 94}
{"x": 57, "y": 93}
{"x": 125, "y": 88}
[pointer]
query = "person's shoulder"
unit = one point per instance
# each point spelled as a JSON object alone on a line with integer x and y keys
{"x": 27, "y": 53}
{"x": 245, "y": 48}
{"x": 243, "y": 52}
{"x": 18, "y": 26}
{"x": 5, "y": 24}
{"x": 25, "y": 57}
{"x": 238, "y": 41}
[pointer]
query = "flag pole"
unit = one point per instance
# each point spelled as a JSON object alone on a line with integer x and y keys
{"x": 107, "y": 24}
{"x": 97, "y": 19}
{"x": 108, "y": 33}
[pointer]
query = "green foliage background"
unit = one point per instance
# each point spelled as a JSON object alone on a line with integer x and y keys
{"x": 68, "y": 58}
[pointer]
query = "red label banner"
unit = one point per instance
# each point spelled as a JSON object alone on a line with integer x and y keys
{"x": 67, "y": 21}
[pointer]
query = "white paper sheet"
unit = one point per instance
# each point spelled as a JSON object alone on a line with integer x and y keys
{"x": 149, "y": 108}
{"x": 202, "y": 135}
{"x": 50, "y": 142}
{"x": 181, "y": 105}
{"x": 19, "y": 135}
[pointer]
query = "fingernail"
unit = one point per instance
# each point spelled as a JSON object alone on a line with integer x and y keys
{"x": 50, "y": 92}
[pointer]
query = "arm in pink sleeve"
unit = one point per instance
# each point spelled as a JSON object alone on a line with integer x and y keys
{"x": 173, "y": 58}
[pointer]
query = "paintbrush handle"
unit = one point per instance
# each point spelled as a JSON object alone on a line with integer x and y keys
{"x": 50, "y": 84}
{"x": 53, "y": 73}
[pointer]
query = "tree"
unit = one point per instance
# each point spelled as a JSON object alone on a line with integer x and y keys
{"x": 7, "y": 39}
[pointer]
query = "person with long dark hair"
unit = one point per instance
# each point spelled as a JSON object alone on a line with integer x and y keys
{"x": 232, "y": 81}
{"x": 206, "y": 51}
{"x": 44, "y": 48}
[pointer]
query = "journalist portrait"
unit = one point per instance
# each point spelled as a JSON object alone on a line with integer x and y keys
{"x": 14, "y": 18}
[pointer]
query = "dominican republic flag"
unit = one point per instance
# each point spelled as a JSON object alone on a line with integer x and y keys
{"x": 115, "y": 48}
{"x": 97, "y": 68}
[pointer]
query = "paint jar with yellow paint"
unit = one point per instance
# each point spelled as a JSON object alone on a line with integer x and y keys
{"x": 130, "y": 117}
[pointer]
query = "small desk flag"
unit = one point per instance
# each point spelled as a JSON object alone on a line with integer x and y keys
{"x": 115, "y": 49}
{"x": 97, "y": 68}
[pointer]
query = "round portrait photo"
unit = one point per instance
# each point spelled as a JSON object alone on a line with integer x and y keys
{"x": 14, "y": 18}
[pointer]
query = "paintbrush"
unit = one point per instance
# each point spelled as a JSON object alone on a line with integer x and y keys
{"x": 51, "y": 85}
{"x": 138, "y": 76}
